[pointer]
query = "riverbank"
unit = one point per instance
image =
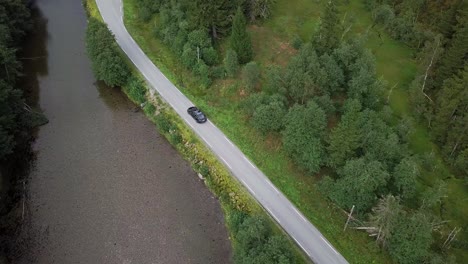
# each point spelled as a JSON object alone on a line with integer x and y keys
{"x": 234, "y": 198}
{"x": 105, "y": 187}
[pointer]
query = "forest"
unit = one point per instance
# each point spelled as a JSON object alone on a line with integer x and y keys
{"x": 324, "y": 105}
{"x": 16, "y": 118}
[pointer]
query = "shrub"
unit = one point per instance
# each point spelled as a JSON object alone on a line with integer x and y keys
{"x": 231, "y": 63}
{"x": 136, "y": 89}
{"x": 251, "y": 75}
{"x": 163, "y": 124}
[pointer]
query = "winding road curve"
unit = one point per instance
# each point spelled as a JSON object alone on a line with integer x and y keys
{"x": 280, "y": 208}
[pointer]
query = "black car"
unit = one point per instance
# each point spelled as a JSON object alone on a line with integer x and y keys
{"x": 196, "y": 114}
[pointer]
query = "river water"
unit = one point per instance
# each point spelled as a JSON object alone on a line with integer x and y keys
{"x": 105, "y": 187}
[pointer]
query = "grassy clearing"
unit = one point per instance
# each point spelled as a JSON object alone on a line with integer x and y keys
{"x": 272, "y": 45}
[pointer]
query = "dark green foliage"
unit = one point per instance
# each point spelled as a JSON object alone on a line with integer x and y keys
{"x": 302, "y": 136}
{"x": 14, "y": 119}
{"x": 383, "y": 15}
{"x": 326, "y": 104}
{"x": 212, "y": 15}
{"x": 454, "y": 57}
{"x": 107, "y": 63}
{"x": 240, "y": 38}
{"x": 269, "y": 117}
{"x": 10, "y": 111}
{"x": 297, "y": 42}
{"x": 335, "y": 78}
{"x": 451, "y": 116}
{"x": 15, "y": 19}
{"x": 260, "y": 8}
{"x": 144, "y": 13}
{"x": 231, "y": 63}
{"x": 410, "y": 238}
{"x": 258, "y": 244}
{"x": 328, "y": 36}
{"x": 251, "y": 75}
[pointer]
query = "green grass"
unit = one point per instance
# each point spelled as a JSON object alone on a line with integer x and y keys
{"x": 272, "y": 45}
{"x": 220, "y": 103}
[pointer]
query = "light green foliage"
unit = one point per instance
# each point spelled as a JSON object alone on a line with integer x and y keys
{"x": 251, "y": 75}
{"x": 273, "y": 81}
{"x": 241, "y": 42}
{"x": 231, "y": 63}
{"x": 404, "y": 178}
{"x": 433, "y": 196}
{"x": 360, "y": 183}
{"x": 345, "y": 138}
{"x": 302, "y": 136}
{"x": 136, "y": 89}
{"x": 269, "y": 117}
{"x": 107, "y": 63}
{"x": 384, "y": 217}
{"x": 304, "y": 77}
{"x": 203, "y": 71}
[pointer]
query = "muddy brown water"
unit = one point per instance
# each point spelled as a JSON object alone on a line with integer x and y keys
{"x": 105, "y": 187}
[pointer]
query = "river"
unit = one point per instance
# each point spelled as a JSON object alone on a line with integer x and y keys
{"x": 105, "y": 187}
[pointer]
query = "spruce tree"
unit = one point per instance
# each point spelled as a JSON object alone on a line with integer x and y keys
{"x": 455, "y": 55}
{"x": 240, "y": 38}
{"x": 328, "y": 36}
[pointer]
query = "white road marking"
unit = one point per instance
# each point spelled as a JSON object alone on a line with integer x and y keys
{"x": 303, "y": 218}
{"x": 225, "y": 162}
{"x": 274, "y": 216}
{"x": 249, "y": 161}
{"x": 303, "y": 248}
{"x": 326, "y": 242}
{"x": 272, "y": 186}
{"x": 229, "y": 141}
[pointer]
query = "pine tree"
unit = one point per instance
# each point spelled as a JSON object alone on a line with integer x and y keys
{"x": 328, "y": 36}
{"x": 212, "y": 15}
{"x": 240, "y": 38}
{"x": 451, "y": 114}
{"x": 455, "y": 55}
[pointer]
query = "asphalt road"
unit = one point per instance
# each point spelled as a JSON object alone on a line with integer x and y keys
{"x": 314, "y": 244}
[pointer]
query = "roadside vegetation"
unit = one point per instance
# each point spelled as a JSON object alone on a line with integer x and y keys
{"x": 328, "y": 91}
{"x": 255, "y": 238}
